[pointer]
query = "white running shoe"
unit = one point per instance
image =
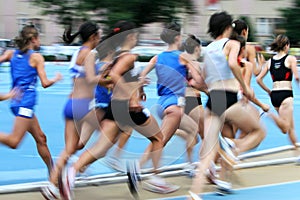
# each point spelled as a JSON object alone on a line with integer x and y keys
{"x": 158, "y": 185}
{"x": 298, "y": 161}
{"x": 223, "y": 187}
{"x": 50, "y": 192}
{"x": 67, "y": 183}
{"x": 189, "y": 170}
{"x": 193, "y": 196}
{"x": 226, "y": 150}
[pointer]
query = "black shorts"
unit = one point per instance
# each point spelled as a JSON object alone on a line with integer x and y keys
{"x": 220, "y": 100}
{"x": 191, "y": 103}
{"x": 278, "y": 96}
{"x": 118, "y": 110}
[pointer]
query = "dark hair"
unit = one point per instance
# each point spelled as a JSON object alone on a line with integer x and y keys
{"x": 240, "y": 39}
{"x": 169, "y": 33}
{"x": 239, "y": 25}
{"x": 85, "y": 31}
{"x": 218, "y": 23}
{"x": 26, "y": 34}
{"x": 120, "y": 31}
{"x": 105, "y": 47}
{"x": 191, "y": 43}
{"x": 279, "y": 43}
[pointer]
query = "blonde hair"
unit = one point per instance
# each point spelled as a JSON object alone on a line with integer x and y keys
{"x": 23, "y": 40}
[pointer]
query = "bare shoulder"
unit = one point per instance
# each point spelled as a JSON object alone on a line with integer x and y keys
{"x": 292, "y": 58}
{"x": 36, "y": 59}
{"x": 250, "y": 47}
{"x": 37, "y": 56}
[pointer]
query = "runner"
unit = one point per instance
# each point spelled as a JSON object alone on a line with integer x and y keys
{"x": 245, "y": 141}
{"x": 192, "y": 120}
{"x": 124, "y": 112}
{"x": 282, "y": 67}
{"x": 171, "y": 69}
{"x": 223, "y": 78}
{"x": 26, "y": 67}
{"x": 79, "y": 102}
{"x": 241, "y": 28}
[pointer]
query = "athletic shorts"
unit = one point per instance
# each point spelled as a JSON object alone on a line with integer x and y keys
{"x": 278, "y": 96}
{"x": 77, "y": 108}
{"x": 118, "y": 110}
{"x": 166, "y": 101}
{"x": 191, "y": 103}
{"x": 219, "y": 101}
{"x": 23, "y": 112}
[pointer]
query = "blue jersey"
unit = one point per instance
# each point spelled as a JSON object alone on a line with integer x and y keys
{"x": 102, "y": 94}
{"x": 24, "y": 77}
{"x": 171, "y": 74}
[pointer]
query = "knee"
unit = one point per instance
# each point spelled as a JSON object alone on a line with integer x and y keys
{"x": 42, "y": 139}
{"x": 13, "y": 143}
{"x": 80, "y": 146}
{"x": 157, "y": 139}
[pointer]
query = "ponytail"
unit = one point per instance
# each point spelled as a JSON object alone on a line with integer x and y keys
{"x": 68, "y": 37}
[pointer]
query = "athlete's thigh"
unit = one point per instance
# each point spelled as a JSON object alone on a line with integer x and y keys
{"x": 197, "y": 113}
{"x": 188, "y": 125}
{"x": 286, "y": 109}
{"x": 212, "y": 127}
{"x": 35, "y": 129}
{"x": 109, "y": 132}
{"x": 244, "y": 120}
{"x": 21, "y": 126}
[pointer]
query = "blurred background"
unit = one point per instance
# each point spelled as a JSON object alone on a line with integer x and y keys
{"x": 266, "y": 19}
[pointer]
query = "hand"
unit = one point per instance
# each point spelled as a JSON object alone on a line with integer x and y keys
{"x": 58, "y": 77}
{"x": 265, "y": 107}
{"x": 144, "y": 80}
{"x": 15, "y": 93}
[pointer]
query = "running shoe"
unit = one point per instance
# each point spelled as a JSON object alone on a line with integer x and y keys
{"x": 66, "y": 183}
{"x": 189, "y": 170}
{"x": 133, "y": 178}
{"x": 211, "y": 174}
{"x": 226, "y": 150}
{"x": 158, "y": 185}
{"x": 114, "y": 163}
{"x": 50, "y": 192}
{"x": 298, "y": 161}
{"x": 193, "y": 196}
{"x": 223, "y": 187}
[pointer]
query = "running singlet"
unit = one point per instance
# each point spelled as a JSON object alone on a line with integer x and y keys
{"x": 278, "y": 70}
{"x": 76, "y": 71}
{"x": 102, "y": 94}
{"x": 24, "y": 77}
{"x": 171, "y": 74}
{"x": 215, "y": 63}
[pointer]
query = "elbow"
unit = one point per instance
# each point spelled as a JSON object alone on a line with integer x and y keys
{"x": 44, "y": 85}
{"x": 258, "y": 80}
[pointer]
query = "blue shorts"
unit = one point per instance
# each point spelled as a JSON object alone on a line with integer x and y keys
{"x": 23, "y": 112}
{"x": 77, "y": 108}
{"x": 169, "y": 100}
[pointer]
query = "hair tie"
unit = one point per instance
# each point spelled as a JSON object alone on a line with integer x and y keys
{"x": 116, "y": 30}
{"x": 233, "y": 25}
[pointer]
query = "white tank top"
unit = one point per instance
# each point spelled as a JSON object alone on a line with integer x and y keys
{"x": 215, "y": 62}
